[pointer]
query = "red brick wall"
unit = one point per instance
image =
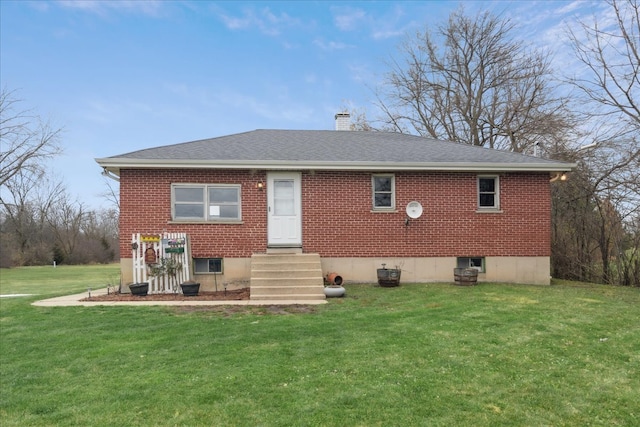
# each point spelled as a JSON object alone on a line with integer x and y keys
{"x": 338, "y": 220}
{"x": 145, "y": 207}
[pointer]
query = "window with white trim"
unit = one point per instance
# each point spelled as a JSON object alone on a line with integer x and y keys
{"x": 383, "y": 192}
{"x": 206, "y": 202}
{"x": 488, "y": 192}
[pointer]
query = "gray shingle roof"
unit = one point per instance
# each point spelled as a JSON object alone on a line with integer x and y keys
{"x": 324, "y": 149}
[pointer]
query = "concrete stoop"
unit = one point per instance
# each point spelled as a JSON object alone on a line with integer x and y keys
{"x": 286, "y": 277}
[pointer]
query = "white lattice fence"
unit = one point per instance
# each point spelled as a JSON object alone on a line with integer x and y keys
{"x": 148, "y": 250}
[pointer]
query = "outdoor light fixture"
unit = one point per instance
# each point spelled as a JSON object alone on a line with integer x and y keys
{"x": 559, "y": 176}
{"x": 260, "y": 185}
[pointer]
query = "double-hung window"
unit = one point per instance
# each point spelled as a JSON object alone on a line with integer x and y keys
{"x": 383, "y": 193}
{"x": 488, "y": 193}
{"x": 206, "y": 202}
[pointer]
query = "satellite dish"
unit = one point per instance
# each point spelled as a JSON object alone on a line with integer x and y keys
{"x": 414, "y": 210}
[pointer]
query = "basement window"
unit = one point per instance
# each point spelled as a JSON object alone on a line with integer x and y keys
{"x": 472, "y": 262}
{"x": 207, "y": 265}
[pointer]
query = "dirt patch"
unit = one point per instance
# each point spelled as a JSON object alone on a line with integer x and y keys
{"x": 225, "y": 310}
{"x": 234, "y": 295}
{"x": 257, "y": 310}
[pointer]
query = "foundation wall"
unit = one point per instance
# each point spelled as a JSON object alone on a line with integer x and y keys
{"x": 522, "y": 270}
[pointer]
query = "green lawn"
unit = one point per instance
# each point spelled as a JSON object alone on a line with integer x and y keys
{"x": 64, "y": 279}
{"x": 420, "y": 354}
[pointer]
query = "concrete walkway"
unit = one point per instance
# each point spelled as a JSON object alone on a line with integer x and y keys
{"x": 75, "y": 300}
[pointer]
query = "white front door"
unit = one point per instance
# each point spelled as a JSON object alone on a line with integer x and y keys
{"x": 284, "y": 209}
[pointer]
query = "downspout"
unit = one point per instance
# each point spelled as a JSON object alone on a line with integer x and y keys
{"x": 110, "y": 174}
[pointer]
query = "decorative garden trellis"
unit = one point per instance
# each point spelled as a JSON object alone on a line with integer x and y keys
{"x": 148, "y": 251}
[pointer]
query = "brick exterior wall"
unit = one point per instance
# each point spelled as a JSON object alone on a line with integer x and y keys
{"x": 338, "y": 220}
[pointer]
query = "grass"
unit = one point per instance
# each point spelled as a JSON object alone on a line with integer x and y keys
{"x": 434, "y": 354}
{"x": 61, "y": 280}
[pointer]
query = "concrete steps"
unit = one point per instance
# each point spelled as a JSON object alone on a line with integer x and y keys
{"x": 286, "y": 277}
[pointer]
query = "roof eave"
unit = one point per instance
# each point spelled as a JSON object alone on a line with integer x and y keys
{"x": 115, "y": 164}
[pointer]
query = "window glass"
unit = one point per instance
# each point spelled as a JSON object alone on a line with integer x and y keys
{"x": 473, "y": 262}
{"x": 223, "y": 202}
{"x": 222, "y": 195}
{"x": 383, "y": 188}
{"x": 382, "y": 183}
{"x": 283, "y": 197}
{"x": 487, "y": 200}
{"x": 212, "y": 202}
{"x": 207, "y": 265}
{"x": 186, "y": 194}
{"x": 488, "y": 192}
{"x": 229, "y": 212}
{"x": 487, "y": 185}
{"x": 189, "y": 211}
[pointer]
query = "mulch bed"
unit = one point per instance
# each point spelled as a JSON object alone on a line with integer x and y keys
{"x": 226, "y": 310}
{"x": 234, "y": 295}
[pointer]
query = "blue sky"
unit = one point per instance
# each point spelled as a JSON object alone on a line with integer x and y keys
{"x": 124, "y": 75}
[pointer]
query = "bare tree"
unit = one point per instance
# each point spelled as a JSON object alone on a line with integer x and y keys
{"x": 609, "y": 51}
{"x": 67, "y": 221}
{"x": 27, "y": 202}
{"x": 25, "y": 139}
{"x": 473, "y": 83}
{"x": 112, "y": 193}
{"x": 611, "y": 56}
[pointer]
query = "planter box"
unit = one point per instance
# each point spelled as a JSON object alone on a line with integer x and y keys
{"x": 190, "y": 289}
{"x": 388, "y": 277}
{"x": 465, "y": 276}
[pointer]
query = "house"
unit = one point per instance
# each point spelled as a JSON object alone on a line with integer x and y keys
{"x": 353, "y": 199}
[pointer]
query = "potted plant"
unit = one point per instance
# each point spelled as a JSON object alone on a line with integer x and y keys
{"x": 389, "y": 277}
{"x": 190, "y": 288}
{"x": 139, "y": 289}
{"x": 333, "y": 286}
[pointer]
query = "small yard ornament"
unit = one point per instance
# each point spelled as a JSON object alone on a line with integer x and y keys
{"x": 388, "y": 277}
{"x": 334, "y": 286}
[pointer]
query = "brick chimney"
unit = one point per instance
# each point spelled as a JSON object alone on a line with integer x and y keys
{"x": 343, "y": 121}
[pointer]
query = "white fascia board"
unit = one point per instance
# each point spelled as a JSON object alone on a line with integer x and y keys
{"x": 115, "y": 164}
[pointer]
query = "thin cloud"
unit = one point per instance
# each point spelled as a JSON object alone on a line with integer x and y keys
{"x": 330, "y": 45}
{"x": 102, "y": 8}
{"x": 285, "y": 111}
{"x": 360, "y": 73}
{"x": 575, "y": 5}
{"x": 264, "y": 20}
{"x": 349, "y": 19}
{"x": 388, "y": 25}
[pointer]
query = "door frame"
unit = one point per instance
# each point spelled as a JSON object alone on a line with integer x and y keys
{"x": 295, "y": 241}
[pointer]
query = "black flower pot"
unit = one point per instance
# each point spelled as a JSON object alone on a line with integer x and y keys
{"x": 139, "y": 289}
{"x": 190, "y": 289}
